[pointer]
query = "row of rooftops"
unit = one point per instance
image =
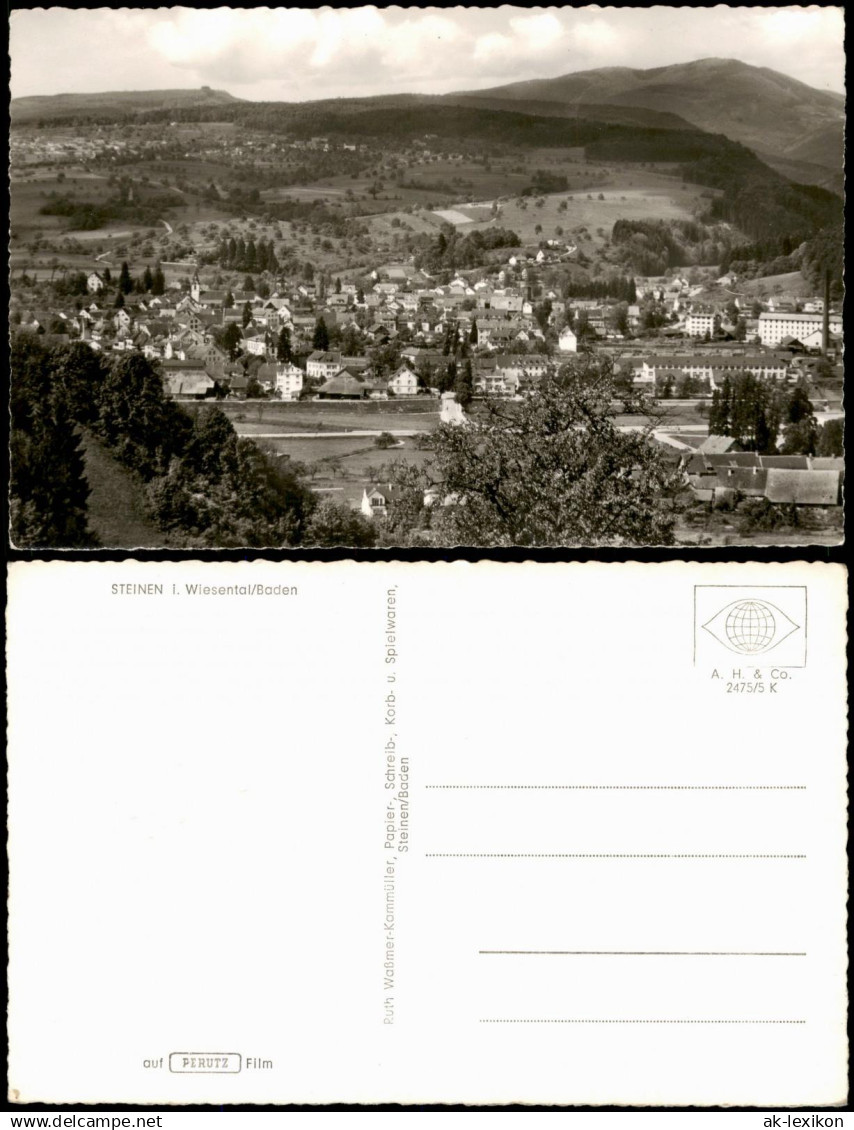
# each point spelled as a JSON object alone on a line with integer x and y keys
{"x": 718, "y": 470}
{"x": 768, "y": 361}
{"x": 814, "y": 486}
{"x": 707, "y": 463}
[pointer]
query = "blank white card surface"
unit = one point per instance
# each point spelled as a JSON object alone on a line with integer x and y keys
{"x": 440, "y": 833}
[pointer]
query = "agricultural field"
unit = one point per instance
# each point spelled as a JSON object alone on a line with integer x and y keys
{"x": 342, "y": 466}
{"x": 588, "y": 220}
{"x": 792, "y": 284}
{"x": 628, "y": 192}
{"x": 395, "y": 194}
{"x": 318, "y": 416}
{"x": 420, "y": 182}
{"x": 28, "y": 192}
{"x": 194, "y": 133}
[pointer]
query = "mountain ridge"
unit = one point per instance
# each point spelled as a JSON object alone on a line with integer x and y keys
{"x": 762, "y": 108}
{"x": 31, "y": 106}
{"x": 781, "y": 118}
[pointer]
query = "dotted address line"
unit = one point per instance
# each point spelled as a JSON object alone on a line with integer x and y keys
{"x": 560, "y": 1021}
{"x": 684, "y": 788}
{"x": 597, "y": 855}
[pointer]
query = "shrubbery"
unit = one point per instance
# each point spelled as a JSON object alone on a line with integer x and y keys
{"x": 204, "y": 484}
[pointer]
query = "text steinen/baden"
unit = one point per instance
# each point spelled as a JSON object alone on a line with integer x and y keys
{"x": 240, "y": 590}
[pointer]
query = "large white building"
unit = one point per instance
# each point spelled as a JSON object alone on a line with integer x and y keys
{"x": 323, "y": 366}
{"x": 708, "y": 368}
{"x": 773, "y": 328}
{"x": 699, "y": 323}
{"x": 289, "y": 381}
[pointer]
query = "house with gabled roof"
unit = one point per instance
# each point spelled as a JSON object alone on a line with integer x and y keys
{"x": 718, "y": 445}
{"x": 378, "y": 499}
{"x": 255, "y": 344}
{"x": 343, "y": 386}
{"x": 321, "y": 365}
{"x": 404, "y": 382}
{"x": 187, "y": 379}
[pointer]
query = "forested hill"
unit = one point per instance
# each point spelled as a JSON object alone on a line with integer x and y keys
{"x": 597, "y": 111}
{"x": 110, "y": 105}
{"x": 753, "y": 197}
{"x": 765, "y": 109}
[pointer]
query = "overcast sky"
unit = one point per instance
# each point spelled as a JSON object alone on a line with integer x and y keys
{"x": 286, "y": 54}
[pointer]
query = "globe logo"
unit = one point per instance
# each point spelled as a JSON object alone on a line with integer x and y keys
{"x": 750, "y": 626}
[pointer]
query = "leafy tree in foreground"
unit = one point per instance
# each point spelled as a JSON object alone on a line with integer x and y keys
{"x": 136, "y": 420}
{"x": 48, "y": 489}
{"x": 226, "y": 492}
{"x": 332, "y": 523}
{"x": 553, "y": 469}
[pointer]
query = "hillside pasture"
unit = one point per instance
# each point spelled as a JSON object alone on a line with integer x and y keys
{"x": 586, "y": 220}
{"x": 28, "y": 194}
{"x": 411, "y": 181}
{"x": 630, "y": 191}
{"x": 792, "y": 284}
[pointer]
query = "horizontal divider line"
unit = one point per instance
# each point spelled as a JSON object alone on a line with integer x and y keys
{"x": 599, "y": 855}
{"x": 684, "y": 788}
{"x": 524, "y": 1020}
{"x": 649, "y": 953}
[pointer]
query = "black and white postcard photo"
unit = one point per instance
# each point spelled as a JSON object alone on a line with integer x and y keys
{"x": 389, "y": 721}
{"x": 415, "y": 277}
{"x": 419, "y": 833}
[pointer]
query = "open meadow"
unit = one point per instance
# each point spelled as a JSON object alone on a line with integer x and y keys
{"x": 583, "y": 214}
{"x": 30, "y": 191}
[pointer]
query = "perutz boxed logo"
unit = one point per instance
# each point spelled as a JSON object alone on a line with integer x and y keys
{"x": 765, "y": 624}
{"x": 204, "y": 1063}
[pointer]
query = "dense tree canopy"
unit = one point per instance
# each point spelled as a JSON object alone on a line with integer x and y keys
{"x": 759, "y": 414}
{"x": 48, "y": 487}
{"x": 749, "y": 409}
{"x": 203, "y": 484}
{"x": 553, "y": 469}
